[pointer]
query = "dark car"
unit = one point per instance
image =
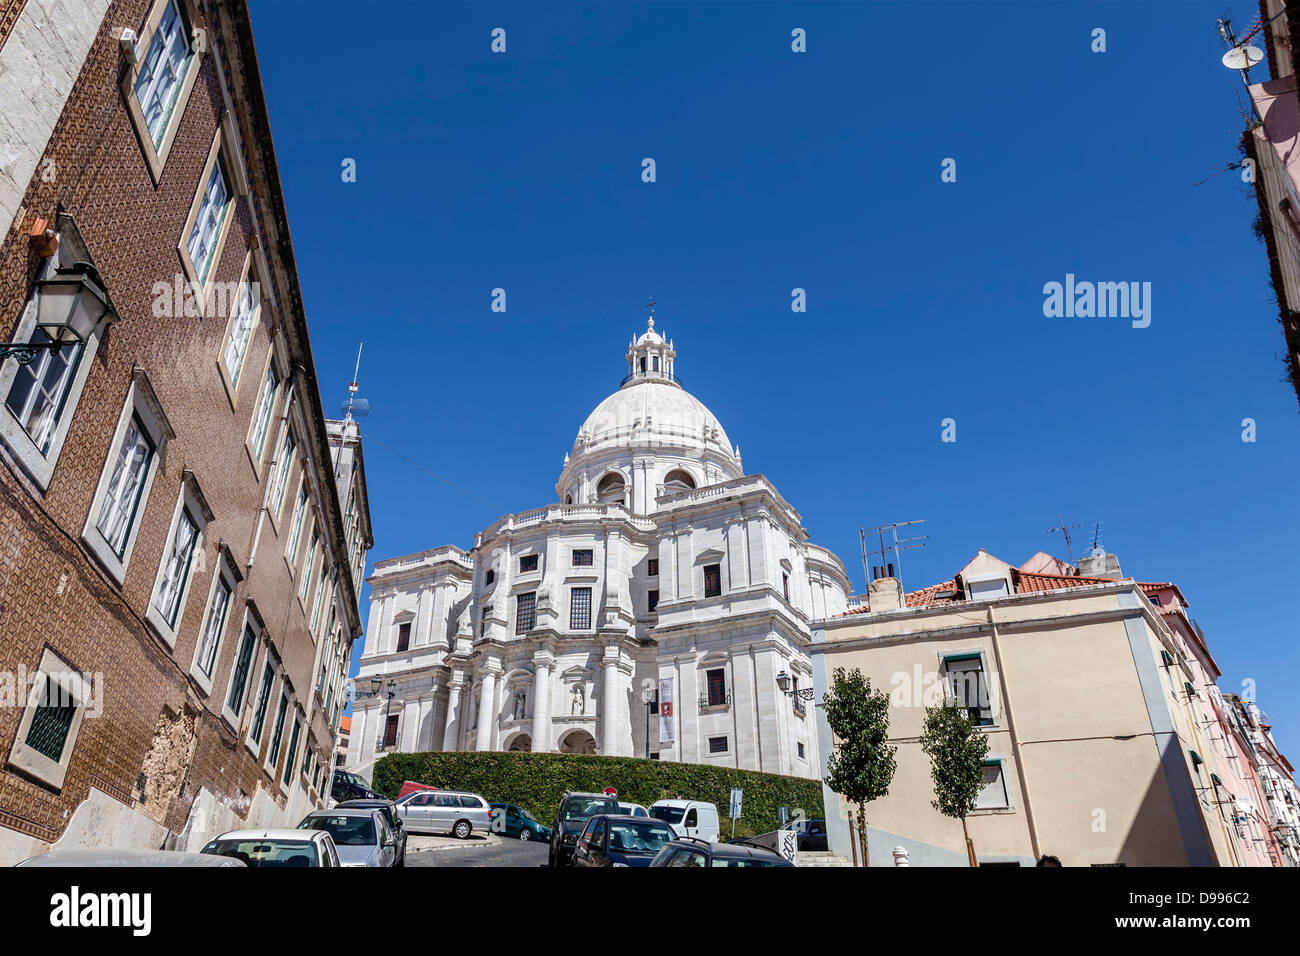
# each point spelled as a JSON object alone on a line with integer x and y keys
{"x": 517, "y": 822}
{"x": 621, "y": 840}
{"x": 812, "y": 835}
{"x": 390, "y": 814}
{"x": 348, "y": 786}
{"x": 571, "y": 819}
{"x": 690, "y": 851}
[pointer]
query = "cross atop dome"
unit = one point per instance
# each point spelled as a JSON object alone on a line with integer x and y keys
{"x": 651, "y": 356}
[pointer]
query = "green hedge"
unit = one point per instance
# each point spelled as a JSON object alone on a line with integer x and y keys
{"x": 535, "y": 781}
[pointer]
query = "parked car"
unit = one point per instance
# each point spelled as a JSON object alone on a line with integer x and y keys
{"x": 391, "y": 816}
{"x": 571, "y": 819}
{"x": 518, "y": 822}
{"x": 812, "y": 834}
{"x": 621, "y": 840}
{"x": 348, "y": 786}
{"x": 689, "y": 851}
{"x": 633, "y": 810}
{"x": 689, "y": 818}
{"x": 128, "y": 858}
{"x": 445, "y": 811}
{"x": 362, "y": 836}
{"x": 274, "y": 848}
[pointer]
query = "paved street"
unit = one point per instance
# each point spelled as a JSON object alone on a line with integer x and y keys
{"x": 481, "y": 852}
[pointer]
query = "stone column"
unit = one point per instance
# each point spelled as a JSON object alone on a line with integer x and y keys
{"x": 486, "y": 705}
{"x": 541, "y": 704}
{"x": 609, "y": 709}
{"x": 452, "y": 730}
{"x": 356, "y": 737}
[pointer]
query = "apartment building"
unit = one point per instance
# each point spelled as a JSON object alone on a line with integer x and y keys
{"x": 182, "y": 531}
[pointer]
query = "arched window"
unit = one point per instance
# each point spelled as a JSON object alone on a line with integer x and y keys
{"x": 568, "y": 499}
{"x": 678, "y": 480}
{"x": 610, "y": 491}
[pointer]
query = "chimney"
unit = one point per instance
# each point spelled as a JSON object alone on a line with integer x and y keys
{"x": 885, "y": 594}
{"x": 1100, "y": 564}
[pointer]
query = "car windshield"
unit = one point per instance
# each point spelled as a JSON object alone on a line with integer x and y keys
{"x": 639, "y": 837}
{"x": 527, "y": 815}
{"x": 346, "y": 830}
{"x": 580, "y": 808}
{"x": 265, "y": 852}
{"x": 668, "y": 814}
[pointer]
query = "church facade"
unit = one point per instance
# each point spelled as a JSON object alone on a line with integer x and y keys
{"x": 659, "y": 608}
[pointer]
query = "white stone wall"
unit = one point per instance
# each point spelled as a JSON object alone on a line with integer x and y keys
{"x": 39, "y": 62}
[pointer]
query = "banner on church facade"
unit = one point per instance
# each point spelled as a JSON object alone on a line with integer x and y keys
{"x": 666, "y": 711}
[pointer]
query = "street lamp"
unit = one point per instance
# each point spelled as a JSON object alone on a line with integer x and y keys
{"x": 69, "y": 306}
{"x": 648, "y": 696}
{"x": 377, "y": 685}
{"x": 783, "y": 682}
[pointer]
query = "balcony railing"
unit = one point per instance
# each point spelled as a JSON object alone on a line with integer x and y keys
{"x": 716, "y": 700}
{"x": 661, "y": 376}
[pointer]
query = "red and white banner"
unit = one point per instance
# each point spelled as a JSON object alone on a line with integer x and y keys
{"x": 666, "y": 730}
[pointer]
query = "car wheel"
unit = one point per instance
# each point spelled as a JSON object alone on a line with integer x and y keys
{"x": 525, "y": 834}
{"x": 462, "y": 830}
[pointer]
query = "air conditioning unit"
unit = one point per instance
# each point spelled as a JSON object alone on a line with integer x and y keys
{"x": 129, "y": 43}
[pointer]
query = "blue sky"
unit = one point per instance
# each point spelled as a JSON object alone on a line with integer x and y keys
{"x": 821, "y": 171}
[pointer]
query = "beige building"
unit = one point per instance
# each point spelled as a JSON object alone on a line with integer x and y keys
{"x": 1094, "y": 755}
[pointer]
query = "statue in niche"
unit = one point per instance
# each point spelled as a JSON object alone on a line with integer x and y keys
{"x": 579, "y": 706}
{"x": 521, "y": 700}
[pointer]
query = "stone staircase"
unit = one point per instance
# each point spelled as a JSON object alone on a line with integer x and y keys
{"x": 820, "y": 858}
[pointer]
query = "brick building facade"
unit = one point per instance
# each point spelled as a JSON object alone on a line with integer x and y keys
{"x": 182, "y": 532}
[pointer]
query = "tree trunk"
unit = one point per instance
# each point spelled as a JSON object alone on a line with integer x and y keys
{"x": 862, "y": 835}
{"x": 970, "y": 847}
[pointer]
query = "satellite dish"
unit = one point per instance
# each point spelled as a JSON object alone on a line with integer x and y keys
{"x": 1242, "y": 57}
{"x": 359, "y": 407}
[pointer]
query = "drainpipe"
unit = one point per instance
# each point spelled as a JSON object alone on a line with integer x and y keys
{"x": 1015, "y": 739}
{"x": 271, "y": 468}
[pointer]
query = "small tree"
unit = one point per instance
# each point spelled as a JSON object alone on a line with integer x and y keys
{"x": 957, "y": 750}
{"x": 862, "y": 766}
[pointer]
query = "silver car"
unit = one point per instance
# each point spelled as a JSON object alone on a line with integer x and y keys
{"x": 361, "y": 835}
{"x": 445, "y": 811}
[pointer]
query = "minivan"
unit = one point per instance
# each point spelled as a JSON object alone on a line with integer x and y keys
{"x": 688, "y": 818}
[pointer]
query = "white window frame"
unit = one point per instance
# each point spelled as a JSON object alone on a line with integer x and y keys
{"x": 272, "y": 762}
{"x": 240, "y": 330}
{"x": 294, "y": 738}
{"x": 141, "y": 403}
{"x": 271, "y": 660}
{"x": 157, "y": 148}
{"x": 309, "y": 568}
{"x": 189, "y": 502}
{"x": 322, "y": 584}
{"x": 288, "y": 448}
{"x": 954, "y": 662}
{"x": 228, "y": 576}
{"x": 977, "y": 592}
{"x": 74, "y": 684}
{"x": 38, "y": 464}
{"x": 302, "y": 502}
{"x": 1001, "y": 764}
{"x": 249, "y": 620}
{"x": 263, "y": 412}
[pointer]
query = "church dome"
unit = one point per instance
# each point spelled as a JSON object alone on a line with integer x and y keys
{"x": 651, "y": 433}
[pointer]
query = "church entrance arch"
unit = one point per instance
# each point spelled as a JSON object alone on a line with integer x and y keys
{"x": 577, "y": 742}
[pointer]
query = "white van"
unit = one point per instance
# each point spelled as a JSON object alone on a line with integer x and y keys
{"x": 692, "y": 818}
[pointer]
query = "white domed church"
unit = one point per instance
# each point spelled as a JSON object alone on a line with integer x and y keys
{"x": 656, "y": 609}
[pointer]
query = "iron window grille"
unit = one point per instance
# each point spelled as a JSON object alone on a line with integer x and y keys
{"x": 51, "y": 721}
{"x": 652, "y": 567}
{"x": 717, "y": 745}
{"x": 583, "y": 558}
{"x": 525, "y": 612}
{"x": 527, "y": 563}
{"x": 580, "y": 608}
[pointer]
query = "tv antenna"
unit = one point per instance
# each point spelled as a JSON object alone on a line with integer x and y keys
{"x": 1065, "y": 533}
{"x": 895, "y": 546}
{"x": 355, "y": 407}
{"x": 1096, "y": 540}
{"x": 1241, "y": 56}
